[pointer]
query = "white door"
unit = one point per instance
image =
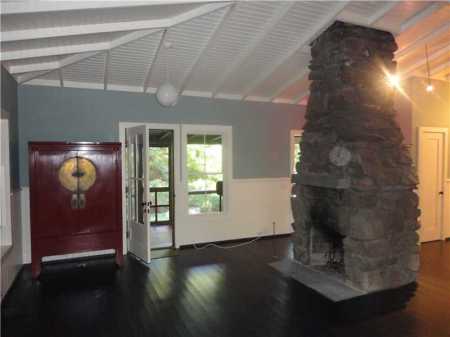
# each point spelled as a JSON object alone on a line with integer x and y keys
{"x": 431, "y": 182}
{"x": 138, "y": 192}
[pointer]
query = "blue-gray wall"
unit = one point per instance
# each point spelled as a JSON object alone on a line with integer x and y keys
{"x": 260, "y": 130}
{"x": 9, "y": 111}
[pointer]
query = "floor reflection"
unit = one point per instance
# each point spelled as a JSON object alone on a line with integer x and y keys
{"x": 218, "y": 293}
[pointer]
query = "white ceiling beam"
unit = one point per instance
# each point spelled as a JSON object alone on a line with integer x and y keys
{"x": 252, "y": 46}
{"x": 378, "y": 15}
{"x": 208, "y": 43}
{"x": 152, "y": 63}
{"x": 106, "y": 70}
{"x": 423, "y": 61}
{"x": 422, "y": 41}
{"x": 63, "y": 63}
{"x": 52, "y": 51}
{"x": 423, "y": 14}
{"x": 61, "y": 78}
{"x": 39, "y": 33}
{"x": 14, "y": 69}
{"x": 74, "y": 49}
{"x": 31, "y": 67}
{"x": 315, "y": 31}
{"x": 444, "y": 67}
{"x": 301, "y": 74}
{"x": 36, "y": 6}
{"x": 297, "y": 99}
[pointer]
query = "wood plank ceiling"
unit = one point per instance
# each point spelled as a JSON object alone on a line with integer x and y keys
{"x": 250, "y": 50}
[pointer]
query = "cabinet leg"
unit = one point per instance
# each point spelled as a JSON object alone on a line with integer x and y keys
{"x": 36, "y": 268}
{"x": 119, "y": 257}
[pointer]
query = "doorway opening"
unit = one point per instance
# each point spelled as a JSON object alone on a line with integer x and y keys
{"x": 161, "y": 188}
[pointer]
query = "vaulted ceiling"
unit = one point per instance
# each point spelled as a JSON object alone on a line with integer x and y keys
{"x": 249, "y": 50}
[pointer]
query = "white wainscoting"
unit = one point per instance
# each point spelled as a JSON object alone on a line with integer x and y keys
{"x": 12, "y": 260}
{"x": 258, "y": 207}
{"x": 255, "y": 204}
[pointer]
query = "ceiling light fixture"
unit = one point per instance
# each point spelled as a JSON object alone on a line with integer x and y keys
{"x": 167, "y": 94}
{"x": 429, "y": 87}
{"x": 393, "y": 80}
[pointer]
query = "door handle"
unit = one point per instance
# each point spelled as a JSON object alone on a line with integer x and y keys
{"x": 441, "y": 193}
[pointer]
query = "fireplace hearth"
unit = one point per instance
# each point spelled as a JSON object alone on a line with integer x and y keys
{"x": 354, "y": 205}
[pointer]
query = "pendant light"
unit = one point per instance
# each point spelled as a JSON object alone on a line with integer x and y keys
{"x": 429, "y": 87}
{"x": 167, "y": 94}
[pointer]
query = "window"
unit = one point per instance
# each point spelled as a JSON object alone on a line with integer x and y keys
{"x": 296, "y": 138}
{"x": 205, "y": 173}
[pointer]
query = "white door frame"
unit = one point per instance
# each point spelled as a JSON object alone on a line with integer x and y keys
{"x": 421, "y": 131}
{"x": 176, "y": 173}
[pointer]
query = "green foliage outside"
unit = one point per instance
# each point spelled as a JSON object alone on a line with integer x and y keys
{"x": 204, "y": 168}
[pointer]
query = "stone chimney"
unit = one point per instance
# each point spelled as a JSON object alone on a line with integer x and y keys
{"x": 354, "y": 205}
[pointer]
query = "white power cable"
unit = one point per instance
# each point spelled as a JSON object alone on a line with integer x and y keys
{"x": 227, "y": 247}
{"x": 231, "y": 246}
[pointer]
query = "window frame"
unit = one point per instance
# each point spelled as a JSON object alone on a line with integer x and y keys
{"x": 226, "y": 133}
{"x": 5, "y": 191}
{"x": 293, "y": 134}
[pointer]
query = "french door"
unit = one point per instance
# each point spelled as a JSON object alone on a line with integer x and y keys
{"x": 138, "y": 195}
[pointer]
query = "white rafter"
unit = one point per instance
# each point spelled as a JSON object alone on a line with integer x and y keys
{"x": 301, "y": 74}
{"x": 63, "y": 63}
{"x": 73, "y": 49}
{"x": 39, "y": 33}
{"x": 153, "y": 61}
{"x": 297, "y": 99}
{"x": 423, "y": 61}
{"x": 211, "y": 39}
{"x": 423, "y": 14}
{"x": 106, "y": 70}
{"x": 25, "y": 68}
{"x": 14, "y": 69}
{"x": 37, "y": 6}
{"x": 444, "y": 67}
{"x": 315, "y": 31}
{"x": 251, "y": 47}
{"x": 51, "y": 51}
{"x": 378, "y": 15}
{"x": 422, "y": 41}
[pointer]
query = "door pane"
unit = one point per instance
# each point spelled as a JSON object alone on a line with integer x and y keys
{"x": 139, "y": 155}
{"x": 140, "y": 200}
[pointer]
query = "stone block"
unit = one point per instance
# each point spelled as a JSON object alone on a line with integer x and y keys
{"x": 365, "y": 224}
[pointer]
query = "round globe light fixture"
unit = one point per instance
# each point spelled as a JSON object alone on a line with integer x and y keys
{"x": 167, "y": 95}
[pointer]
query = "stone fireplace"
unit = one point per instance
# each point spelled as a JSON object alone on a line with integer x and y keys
{"x": 353, "y": 200}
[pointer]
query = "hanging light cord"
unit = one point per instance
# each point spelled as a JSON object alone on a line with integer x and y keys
{"x": 428, "y": 64}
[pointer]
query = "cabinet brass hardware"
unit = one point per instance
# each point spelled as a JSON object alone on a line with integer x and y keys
{"x": 81, "y": 201}
{"x": 74, "y": 201}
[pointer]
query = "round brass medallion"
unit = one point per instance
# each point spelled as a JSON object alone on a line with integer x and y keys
{"x": 77, "y": 174}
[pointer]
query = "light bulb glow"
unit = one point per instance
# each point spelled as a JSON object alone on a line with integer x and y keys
{"x": 429, "y": 88}
{"x": 393, "y": 80}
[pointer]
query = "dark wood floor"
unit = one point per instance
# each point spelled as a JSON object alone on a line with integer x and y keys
{"x": 218, "y": 293}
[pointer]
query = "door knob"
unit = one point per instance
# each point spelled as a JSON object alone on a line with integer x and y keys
{"x": 441, "y": 192}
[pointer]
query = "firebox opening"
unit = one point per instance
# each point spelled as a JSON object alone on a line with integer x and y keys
{"x": 326, "y": 240}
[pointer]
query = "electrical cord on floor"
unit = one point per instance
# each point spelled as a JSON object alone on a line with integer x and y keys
{"x": 233, "y": 246}
{"x": 228, "y": 247}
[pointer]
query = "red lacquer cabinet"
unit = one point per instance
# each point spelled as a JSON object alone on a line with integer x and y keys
{"x": 75, "y": 199}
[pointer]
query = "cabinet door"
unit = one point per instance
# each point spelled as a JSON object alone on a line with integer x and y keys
{"x": 100, "y": 207}
{"x": 52, "y": 208}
